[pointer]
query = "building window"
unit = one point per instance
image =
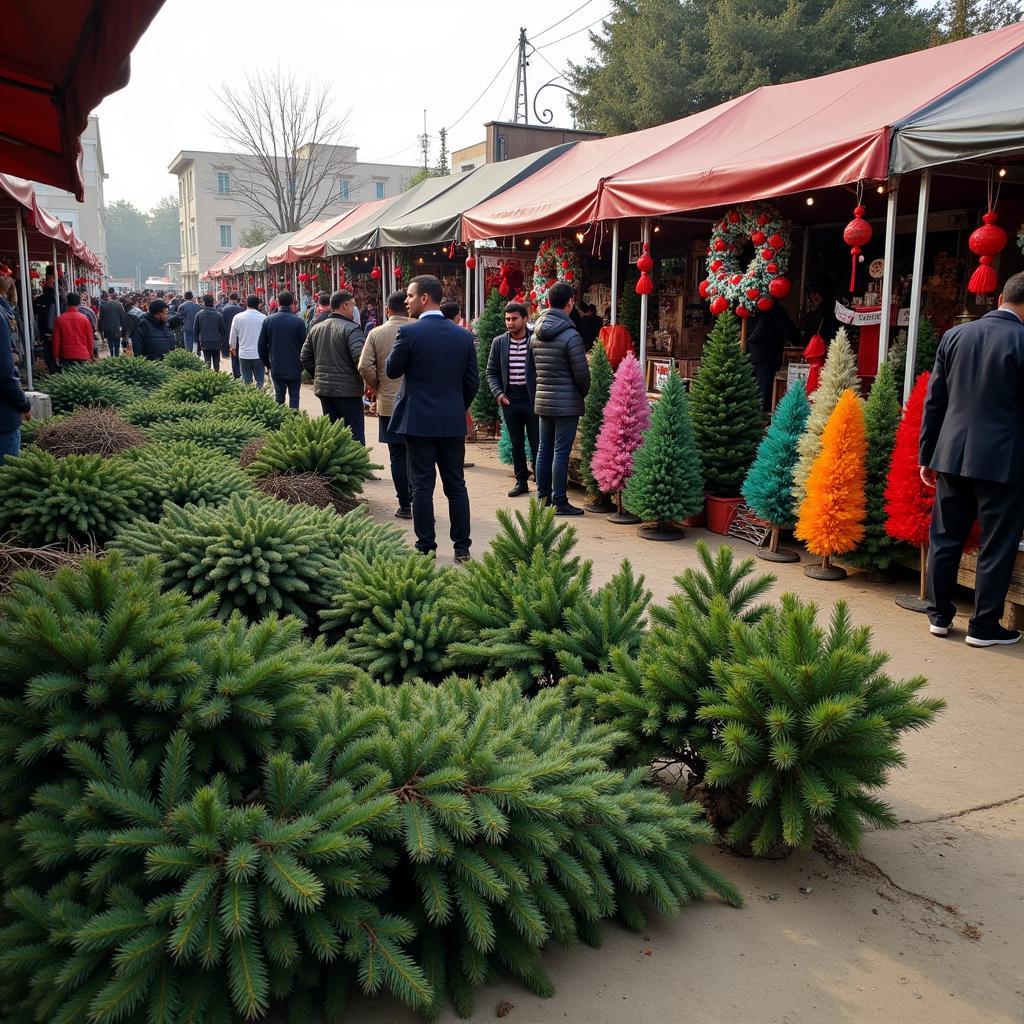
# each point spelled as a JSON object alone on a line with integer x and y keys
{"x": 343, "y": 187}
{"x": 182, "y": 243}
{"x": 380, "y": 189}
{"x": 223, "y": 183}
{"x": 225, "y": 236}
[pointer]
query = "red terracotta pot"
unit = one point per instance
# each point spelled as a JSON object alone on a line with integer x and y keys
{"x": 721, "y": 512}
{"x": 698, "y": 521}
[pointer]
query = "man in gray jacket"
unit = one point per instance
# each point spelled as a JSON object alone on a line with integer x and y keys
{"x": 330, "y": 354}
{"x": 563, "y": 380}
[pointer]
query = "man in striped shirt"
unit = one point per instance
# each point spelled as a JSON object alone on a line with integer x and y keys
{"x": 513, "y": 382}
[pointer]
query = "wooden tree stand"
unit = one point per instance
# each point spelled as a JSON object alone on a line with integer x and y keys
{"x": 825, "y": 571}
{"x": 620, "y": 516}
{"x": 773, "y": 553}
{"x": 917, "y": 602}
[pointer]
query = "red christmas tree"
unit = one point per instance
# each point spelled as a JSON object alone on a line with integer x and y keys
{"x": 908, "y": 499}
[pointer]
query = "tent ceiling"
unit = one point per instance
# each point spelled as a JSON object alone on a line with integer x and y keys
{"x": 279, "y": 253}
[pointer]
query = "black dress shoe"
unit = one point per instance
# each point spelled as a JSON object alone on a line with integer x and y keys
{"x": 404, "y": 512}
{"x": 518, "y": 490}
{"x": 468, "y": 465}
{"x": 568, "y": 510}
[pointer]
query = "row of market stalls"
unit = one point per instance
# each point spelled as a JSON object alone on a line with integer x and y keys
{"x": 925, "y": 143}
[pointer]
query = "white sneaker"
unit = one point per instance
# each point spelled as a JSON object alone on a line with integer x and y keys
{"x": 938, "y": 630}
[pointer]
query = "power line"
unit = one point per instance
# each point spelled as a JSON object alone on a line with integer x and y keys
{"x": 562, "y": 39}
{"x": 514, "y": 50}
{"x": 537, "y": 35}
{"x": 537, "y": 53}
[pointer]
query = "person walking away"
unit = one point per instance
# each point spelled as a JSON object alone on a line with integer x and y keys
{"x": 280, "y": 345}
{"x": 210, "y": 334}
{"x": 323, "y": 308}
{"x": 972, "y": 453}
{"x": 114, "y": 322}
{"x": 72, "y": 335}
{"x": 230, "y": 310}
{"x": 85, "y": 308}
{"x": 15, "y": 407}
{"x": 438, "y": 361}
{"x": 512, "y": 378}
{"x": 372, "y": 362}
{"x": 152, "y": 335}
{"x": 563, "y": 381}
{"x": 330, "y": 355}
{"x": 768, "y": 334}
{"x": 44, "y": 306}
{"x": 591, "y": 325}
{"x": 244, "y": 341}
{"x": 188, "y": 311}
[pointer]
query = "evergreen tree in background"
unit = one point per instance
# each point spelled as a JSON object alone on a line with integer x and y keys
{"x": 726, "y": 410}
{"x": 837, "y": 375}
{"x": 666, "y": 485}
{"x": 877, "y": 551}
{"x": 593, "y": 415}
{"x": 768, "y": 489}
{"x": 487, "y": 328}
{"x": 924, "y": 357}
{"x": 629, "y": 309}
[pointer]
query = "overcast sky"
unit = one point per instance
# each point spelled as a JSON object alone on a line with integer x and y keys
{"x": 386, "y": 60}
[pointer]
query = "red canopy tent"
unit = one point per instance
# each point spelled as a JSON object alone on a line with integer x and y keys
{"x": 279, "y": 254}
{"x": 219, "y": 269}
{"x": 312, "y": 247}
{"x": 56, "y": 65}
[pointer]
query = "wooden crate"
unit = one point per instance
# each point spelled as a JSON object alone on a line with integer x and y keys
{"x": 1014, "y": 617}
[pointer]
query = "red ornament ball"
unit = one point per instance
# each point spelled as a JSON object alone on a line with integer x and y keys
{"x": 471, "y": 262}
{"x": 734, "y": 217}
{"x": 735, "y": 279}
{"x": 753, "y": 293}
{"x": 780, "y": 287}
{"x": 569, "y": 275}
{"x": 375, "y": 273}
{"x": 742, "y": 312}
{"x": 776, "y": 241}
{"x": 716, "y": 264}
{"x": 758, "y": 238}
{"x": 772, "y": 268}
{"x": 765, "y": 304}
{"x": 720, "y": 305}
{"x": 763, "y": 219}
{"x": 703, "y": 289}
{"x": 719, "y": 245}
{"x": 858, "y": 232}
{"x": 565, "y": 264}
{"x": 767, "y": 254}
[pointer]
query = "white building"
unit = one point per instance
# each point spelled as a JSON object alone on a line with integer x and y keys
{"x": 88, "y": 219}
{"x": 212, "y": 217}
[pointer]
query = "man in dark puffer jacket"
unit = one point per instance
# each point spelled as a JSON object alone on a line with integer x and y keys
{"x": 563, "y": 380}
{"x": 153, "y": 334}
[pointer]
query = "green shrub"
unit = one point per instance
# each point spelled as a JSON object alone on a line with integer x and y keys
{"x": 147, "y": 374}
{"x": 254, "y": 404}
{"x": 75, "y": 389}
{"x": 196, "y": 386}
{"x": 228, "y": 435}
{"x": 161, "y": 410}
{"x": 184, "y": 473}
{"x": 179, "y": 359}
{"x": 319, "y": 446}
{"x": 80, "y": 498}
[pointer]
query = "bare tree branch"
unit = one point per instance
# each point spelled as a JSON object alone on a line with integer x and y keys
{"x": 289, "y": 146}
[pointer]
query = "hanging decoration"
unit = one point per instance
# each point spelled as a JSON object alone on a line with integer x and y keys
{"x": 986, "y": 242}
{"x": 645, "y": 285}
{"x": 763, "y": 281}
{"x": 556, "y": 261}
{"x": 857, "y": 234}
{"x": 471, "y": 262}
{"x": 375, "y": 273}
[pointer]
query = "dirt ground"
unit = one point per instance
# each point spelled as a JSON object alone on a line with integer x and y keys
{"x": 924, "y": 924}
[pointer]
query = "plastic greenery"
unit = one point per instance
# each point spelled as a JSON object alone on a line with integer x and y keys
{"x": 80, "y": 498}
{"x": 490, "y": 324}
{"x": 225, "y": 434}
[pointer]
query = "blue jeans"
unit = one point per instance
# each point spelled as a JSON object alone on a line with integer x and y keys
{"x": 10, "y": 443}
{"x": 251, "y": 369}
{"x": 293, "y": 391}
{"x": 557, "y": 434}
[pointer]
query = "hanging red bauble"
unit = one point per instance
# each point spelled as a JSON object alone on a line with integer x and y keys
{"x": 856, "y": 234}
{"x": 375, "y": 273}
{"x": 753, "y": 293}
{"x": 734, "y": 217}
{"x": 735, "y": 279}
{"x": 471, "y": 262}
{"x": 720, "y": 305}
{"x": 565, "y": 264}
{"x": 780, "y": 287}
{"x": 645, "y": 286}
{"x": 703, "y": 289}
{"x": 986, "y": 242}
{"x": 398, "y": 273}
{"x": 768, "y": 253}
{"x": 758, "y": 238}
{"x": 569, "y": 275}
{"x": 720, "y": 245}
{"x": 772, "y": 268}
{"x": 742, "y": 312}
{"x": 776, "y": 241}
{"x": 303, "y": 277}
{"x": 763, "y": 219}
{"x": 765, "y": 304}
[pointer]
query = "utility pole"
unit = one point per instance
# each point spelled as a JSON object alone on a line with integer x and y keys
{"x": 424, "y": 141}
{"x": 522, "y": 110}
{"x": 442, "y": 159}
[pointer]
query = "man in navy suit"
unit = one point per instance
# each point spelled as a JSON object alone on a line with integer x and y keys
{"x": 437, "y": 360}
{"x": 972, "y": 453}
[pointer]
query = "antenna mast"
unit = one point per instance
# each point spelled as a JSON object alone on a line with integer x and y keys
{"x": 522, "y": 105}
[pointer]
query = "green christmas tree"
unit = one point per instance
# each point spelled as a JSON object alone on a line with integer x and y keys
{"x": 487, "y": 328}
{"x": 593, "y": 414}
{"x": 838, "y": 374}
{"x": 878, "y": 551}
{"x": 629, "y": 308}
{"x": 924, "y": 359}
{"x": 726, "y": 410}
{"x": 666, "y": 484}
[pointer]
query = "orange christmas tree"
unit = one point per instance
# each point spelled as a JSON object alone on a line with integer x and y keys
{"x": 831, "y": 520}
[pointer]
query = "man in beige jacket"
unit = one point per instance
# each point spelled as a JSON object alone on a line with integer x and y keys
{"x": 376, "y": 350}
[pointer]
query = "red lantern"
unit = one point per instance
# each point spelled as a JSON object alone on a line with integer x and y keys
{"x": 986, "y": 242}
{"x": 780, "y": 287}
{"x": 375, "y": 273}
{"x": 742, "y": 312}
{"x": 856, "y": 234}
{"x": 720, "y": 305}
{"x": 765, "y": 304}
{"x": 471, "y": 262}
{"x": 758, "y": 238}
{"x": 645, "y": 286}
{"x": 398, "y": 273}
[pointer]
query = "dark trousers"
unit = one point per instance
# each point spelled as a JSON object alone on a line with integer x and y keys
{"x": 212, "y": 357}
{"x": 448, "y": 456}
{"x": 350, "y": 410}
{"x": 522, "y": 426}
{"x": 236, "y": 366}
{"x": 399, "y": 461}
{"x": 113, "y": 342}
{"x": 557, "y": 434}
{"x": 1000, "y": 510}
{"x": 764, "y": 374}
{"x": 293, "y": 391}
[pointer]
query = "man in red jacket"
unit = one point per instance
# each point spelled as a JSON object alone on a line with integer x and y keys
{"x": 72, "y": 334}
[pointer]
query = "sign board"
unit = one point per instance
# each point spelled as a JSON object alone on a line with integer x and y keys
{"x": 903, "y": 318}
{"x": 858, "y": 317}
{"x": 662, "y": 369}
{"x": 797, "y": 372}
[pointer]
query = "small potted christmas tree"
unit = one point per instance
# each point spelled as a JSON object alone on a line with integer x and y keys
{"x": 727, "y": 422}
{"x": 666, "y": 485}
{"x": 590, "y": 427}
{"x": 768, "y": 489}
{"x": 626, "y": 416}
{"x": 487, "y": 328}
{"x": 831, "y": 518}
{"x": 908, "y": 499}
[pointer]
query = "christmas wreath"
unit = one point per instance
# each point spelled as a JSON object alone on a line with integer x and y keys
{"x": 556, "y": 261}
{"x": 756, "y": 287}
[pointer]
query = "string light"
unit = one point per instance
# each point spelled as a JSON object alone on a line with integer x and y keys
{"x": 880, "y": 190}
{"x": 1002, "y": 172}
{"x": 657, "y": 228}
{"x": 579, "y": 237}
{"x": 526, "y": 241}
{"x": 810, "y": 200}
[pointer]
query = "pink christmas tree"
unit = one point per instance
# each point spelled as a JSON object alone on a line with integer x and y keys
{"x": 626, "y": 416}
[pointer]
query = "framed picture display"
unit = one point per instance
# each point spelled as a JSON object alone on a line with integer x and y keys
{"x": 658, "y": 371}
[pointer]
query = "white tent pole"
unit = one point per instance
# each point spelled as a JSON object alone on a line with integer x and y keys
{"x": 917, "y": 282}
{"x": 615, "y": 272}
{"x": 887, "y": 269}
{"x": 26, "y": 294}
{"x": 645, "y": 236}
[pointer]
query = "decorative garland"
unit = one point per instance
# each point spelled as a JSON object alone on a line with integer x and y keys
{"x": 763, "y": 281}
{"x": 556, "y": 261}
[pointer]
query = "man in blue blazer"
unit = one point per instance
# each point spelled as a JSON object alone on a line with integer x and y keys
{"x": 972, "y": 453}
{"x": 437, "y": 360}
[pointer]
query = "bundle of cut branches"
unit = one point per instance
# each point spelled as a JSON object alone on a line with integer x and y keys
{"x": 89, "y": 431}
